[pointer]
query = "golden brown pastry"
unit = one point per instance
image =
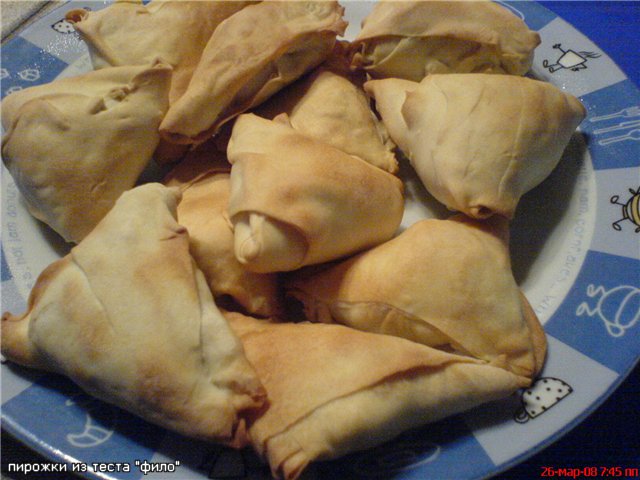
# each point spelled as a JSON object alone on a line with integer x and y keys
{"x": 478, "y": 142}
{"x": 410, "y": 40}
{"x": 334, "y": 390}
{"x": 297, "y": 201}
{"x": 251, "y": 56}
{"x": 128, "y": 317}
{"x": 330, "y": 105}
{"x": 203, "y": 178}
{"x": 129, "y": 32}
{"x": 74, "y": 145}
{"x": 443, "y": 283}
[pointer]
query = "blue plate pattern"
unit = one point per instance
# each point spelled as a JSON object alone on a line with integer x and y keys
{"x": 588, "y": 296}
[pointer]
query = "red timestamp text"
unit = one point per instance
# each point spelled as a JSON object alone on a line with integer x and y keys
{"x": 590, "y": 472}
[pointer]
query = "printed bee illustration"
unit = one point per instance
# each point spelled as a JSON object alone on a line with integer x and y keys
{"x": 541, "y": 396}
{"x": 630, "y": 210}
{"x": 570, "y": 60}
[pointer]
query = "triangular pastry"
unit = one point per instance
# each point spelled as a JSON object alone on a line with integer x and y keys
{"x": 129, "y": 317}
{"x": 330, "y": 105}
{"x": 251, "y": 56}
{"x": 410, "y": 40}
{"x": 74, "y": 145}
{"x": 479, "y": 141}
{"x": 129, "y": 32}
{"x": 203, "y": 179}
{"x": 443, "y": 283}
{"x": 297, "y": 201}
{"x": 333, "y": 390}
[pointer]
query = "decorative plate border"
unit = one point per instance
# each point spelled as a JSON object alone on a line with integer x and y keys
{"x": 600, "y": 294}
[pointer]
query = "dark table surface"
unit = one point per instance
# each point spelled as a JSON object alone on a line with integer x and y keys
{"x": 610, "y": 437}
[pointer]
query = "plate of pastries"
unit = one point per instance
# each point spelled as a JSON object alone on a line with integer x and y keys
{"x": 312, "y": 239}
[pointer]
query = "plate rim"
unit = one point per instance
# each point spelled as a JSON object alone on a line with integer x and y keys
{"x": 52, "y": 453}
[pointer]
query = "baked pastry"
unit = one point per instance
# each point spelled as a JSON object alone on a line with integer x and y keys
{"x": 443, "y": 283}
{"x": 129, "y": 32}
{"x": 74, "y": 145}
{"x": 297, "y": 201}
{"x": 410, "y": 40}
{"x": 334, "y": 390}
{"x": 479, "y": 141}
{"x": 251, "y": 56}
{"x": 329, "y": 104}
{"x": 203, "y": 179}
{"x": 128, "y": 317}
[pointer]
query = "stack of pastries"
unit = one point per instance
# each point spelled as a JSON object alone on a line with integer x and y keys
{"x": 281, "y": 146}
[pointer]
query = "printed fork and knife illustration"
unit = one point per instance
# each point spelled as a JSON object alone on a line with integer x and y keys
{"x": 632, "y": 127}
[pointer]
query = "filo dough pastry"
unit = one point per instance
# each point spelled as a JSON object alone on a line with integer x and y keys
{"x": 251, "y": 56}
{"x": 131, "y": 33}
{"x": 443, "y": 283}
{"x": 412, "y": 39}
{"x": 74, "y": 145}
{"x": 128, "y": 317}
{"x": 297, "y": 201}
{"x": 330, "y": 105}
{"x": 478, "y": 142}
{"x": 334, "y": 390}
{"x": 203, "y": 179}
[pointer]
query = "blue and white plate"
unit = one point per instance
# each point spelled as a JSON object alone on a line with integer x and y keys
{"x": 576, "y": 253}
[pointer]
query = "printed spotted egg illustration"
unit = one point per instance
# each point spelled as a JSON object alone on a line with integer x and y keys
{"x": 541, "y": 396}
{"x": 64, "y": 26}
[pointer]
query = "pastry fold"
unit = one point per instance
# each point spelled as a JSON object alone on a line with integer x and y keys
{"x": 478, "y": 142}
{"x": 443, "y": 283}
{"x": 129, "y": 32}
{"x": 203, "y": 179}
{"x": 74, "y": 145}
{"x": 413, "y": 39}
{"x": 296, "y": 201}
{"x": 330, "y": 105}
{"x": 251, "y": 56}
{"x": 334, "y": 390}
{"x": 129, "y": 317}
